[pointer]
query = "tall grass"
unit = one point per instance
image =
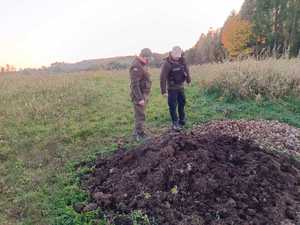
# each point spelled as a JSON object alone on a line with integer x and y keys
{"x": 270, "y": 79}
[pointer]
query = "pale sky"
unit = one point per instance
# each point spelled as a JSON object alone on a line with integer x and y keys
{"x": 38, "y": 32}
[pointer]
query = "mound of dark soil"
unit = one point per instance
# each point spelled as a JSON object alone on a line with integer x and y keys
{"x": 185, "y": 178}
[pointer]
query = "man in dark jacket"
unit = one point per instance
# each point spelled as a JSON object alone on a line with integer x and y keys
{"x": 173, "y": 75}
{"x": 140, "y": 91}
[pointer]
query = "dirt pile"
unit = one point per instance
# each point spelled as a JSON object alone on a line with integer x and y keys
{"x": 199, "y": 179}
{"x": 271, "y": 135}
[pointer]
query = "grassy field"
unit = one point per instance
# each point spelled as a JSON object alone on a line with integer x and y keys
{"x": 50, "y": 123}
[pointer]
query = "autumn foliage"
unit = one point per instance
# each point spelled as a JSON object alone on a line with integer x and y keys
{"x": 236, "y": 35}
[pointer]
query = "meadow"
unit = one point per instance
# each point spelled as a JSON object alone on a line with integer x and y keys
{"x": 50, "y": 124}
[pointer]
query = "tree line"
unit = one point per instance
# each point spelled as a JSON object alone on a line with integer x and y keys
{"x": 262, "y": 28}
{"x": 7, "y": 69}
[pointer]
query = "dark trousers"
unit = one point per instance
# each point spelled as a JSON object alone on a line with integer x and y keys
{"x": 176, "y": 101}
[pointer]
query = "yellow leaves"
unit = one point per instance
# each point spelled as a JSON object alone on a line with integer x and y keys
{"x": 236, "y": 36}
{"x": 174, "y": 190}
{"x": 147, "y": 195}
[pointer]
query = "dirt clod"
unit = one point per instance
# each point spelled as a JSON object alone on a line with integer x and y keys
{"x": 196, "y": 178}
{"x": 78, "y": 207}
{"x": 123, "y": 220}
{"x": 102, "y": 199}
{"x": 90, "y": 207}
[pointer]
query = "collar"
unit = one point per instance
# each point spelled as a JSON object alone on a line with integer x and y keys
{"x": 142, "y": 60}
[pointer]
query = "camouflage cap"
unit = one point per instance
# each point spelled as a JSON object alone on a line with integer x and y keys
{"x": 146, "y": 52}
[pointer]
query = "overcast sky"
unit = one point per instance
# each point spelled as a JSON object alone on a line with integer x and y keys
{"x": 38, "y": 32}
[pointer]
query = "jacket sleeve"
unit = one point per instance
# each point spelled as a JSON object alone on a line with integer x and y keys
{"x": 163, "y": 77}
{"x": 135, "y": 77}
{"x": 188, "y": 75}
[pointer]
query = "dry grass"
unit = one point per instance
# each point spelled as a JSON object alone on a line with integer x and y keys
{"x": 251, "y": 79}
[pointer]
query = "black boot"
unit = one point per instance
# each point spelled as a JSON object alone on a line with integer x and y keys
{"x": 176, "y": 126}
{"x": 181, "y": 123}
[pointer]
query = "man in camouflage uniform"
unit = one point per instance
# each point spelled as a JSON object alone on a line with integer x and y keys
{"x": 140, "y": 91}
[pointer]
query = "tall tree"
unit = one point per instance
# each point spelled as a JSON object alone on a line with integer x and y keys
{"x": 7, "y": 68}
{"x": 208, "y": 49}
{"x": 248, "y": 10}
{"x": 262, "y": 23}
{"x": 293, "y": 27}
{"x": 236, "y": 36}
{"x": 271, "y": 27}
{"x": 272, "y": 24}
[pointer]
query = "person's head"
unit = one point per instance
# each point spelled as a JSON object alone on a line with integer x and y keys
{"x": 176, "y": 53}
{"x": 146, "y": 55}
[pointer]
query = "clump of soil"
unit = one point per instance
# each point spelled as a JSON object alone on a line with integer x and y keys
{"x": 199, "y": 179}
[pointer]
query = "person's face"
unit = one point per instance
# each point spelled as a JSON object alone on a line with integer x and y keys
{"x": 176, "y": 55}
{"x": 147, "y": 59}
{"x": 175, "y": 58}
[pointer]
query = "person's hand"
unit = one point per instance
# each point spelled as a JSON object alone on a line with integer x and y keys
{"x": 165, "y": 95}
{"x": 189, "y": 84}
{"x": 141, "y": 103}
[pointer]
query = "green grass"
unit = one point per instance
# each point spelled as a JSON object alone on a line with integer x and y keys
{"x": 50, "y": 123}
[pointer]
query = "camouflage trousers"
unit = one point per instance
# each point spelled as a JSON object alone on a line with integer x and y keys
{"x": 140, "y": 117}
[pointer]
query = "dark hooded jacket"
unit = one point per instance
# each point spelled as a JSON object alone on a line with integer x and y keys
{"x": 174, "y": 74}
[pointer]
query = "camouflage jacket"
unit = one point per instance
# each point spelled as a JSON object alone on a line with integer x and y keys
{"x": 140, "y": 81}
